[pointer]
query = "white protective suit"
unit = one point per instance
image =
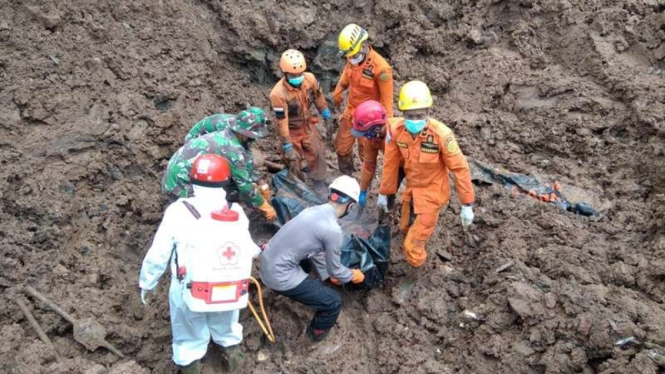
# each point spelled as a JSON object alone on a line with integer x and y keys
{"x": 191, "y": 330}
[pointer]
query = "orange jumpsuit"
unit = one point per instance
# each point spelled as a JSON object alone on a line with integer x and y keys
{"x": 427, "y": 160}
{"x": 296, "y": 124}
{"x": 370, "y": 80}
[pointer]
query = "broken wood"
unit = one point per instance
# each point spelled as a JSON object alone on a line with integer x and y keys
{"x": 505, "y": 266}
{"x": 87, "y": 331}
{"x": 37, "y": 327}
{"x": 273, "y": 167}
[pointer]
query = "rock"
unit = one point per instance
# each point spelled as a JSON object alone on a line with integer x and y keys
{"x": 520, "y": 307}
{"x": 475, "y": 36}
{"x": 4, "y": 25}
{"x": 97, "y": 369}
{"x": 584, "y": 325}
{"x": 445, "y": 255}
{"x": 253, "y": 342}
{"x": 523, "y": 349}
{"x": 50, "y": 18}
{"x": 129, "y": 367}
{"x": 659, "y": 53}
{"x": 263, "y": 355}
{"x": 550, "y": 300}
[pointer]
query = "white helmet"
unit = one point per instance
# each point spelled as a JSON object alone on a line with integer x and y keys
{"x": 346, "y": 185}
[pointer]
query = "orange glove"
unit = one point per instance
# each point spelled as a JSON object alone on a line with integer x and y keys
{"x": 358, "y": 276}
{"x": 264, "y": 190}
{"x": 268, "y": 211}
{"x": 335, "y": 281}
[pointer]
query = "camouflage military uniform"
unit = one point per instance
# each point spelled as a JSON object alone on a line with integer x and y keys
{"x": 210, "y": 124}
{"x": 217, "y": 134}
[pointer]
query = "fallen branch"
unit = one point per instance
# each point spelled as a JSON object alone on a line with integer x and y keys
{"x": 35, "y": 325}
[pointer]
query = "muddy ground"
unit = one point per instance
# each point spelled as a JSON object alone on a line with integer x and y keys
{"x": 95, "y": 96}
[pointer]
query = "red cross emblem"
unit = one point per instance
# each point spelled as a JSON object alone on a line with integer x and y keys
{"x": 228, "y": 254}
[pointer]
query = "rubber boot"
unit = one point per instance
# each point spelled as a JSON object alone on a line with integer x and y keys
{"x": 345, "y": 164}
{"x": 234, "y": 358}
{"x": 316, "y": 335}
{"x": 193, "y": 368}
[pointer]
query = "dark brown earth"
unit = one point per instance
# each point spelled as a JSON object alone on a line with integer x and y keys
{"x": 95, "y": 96}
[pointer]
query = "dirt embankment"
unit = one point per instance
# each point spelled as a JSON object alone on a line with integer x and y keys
{"x": 95, "y": 96}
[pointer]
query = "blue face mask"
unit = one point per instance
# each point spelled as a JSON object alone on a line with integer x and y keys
{"x": 297, "y": 81}
{"x": 415, "y": 126}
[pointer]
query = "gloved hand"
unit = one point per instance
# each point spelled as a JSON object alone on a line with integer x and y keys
{"x": 325, "y": 114}
{"x": 382, "y": 203}
{"x": 264, "y": 190}
{"x": 362, "y": 200}
{"x": 145, "y": 300}
{"x": 268, "y": 211}
{"x": 358, "y": 276}
{"x": 289, "y": 152}
{"x": 466, "y": 215}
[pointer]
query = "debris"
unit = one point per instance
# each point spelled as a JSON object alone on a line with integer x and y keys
{"x": 469, "y": 315}
{"x": 658, "y": 356}
{"x": 38, "y": 329}
{"x": 86, "y": 331}
{"x": 54, "y": 59}
{"x": 263, "y": 355}
{"x": 625, "y": 341}
{"x": 445, "y": 255}
{"x": 505, "y": 266}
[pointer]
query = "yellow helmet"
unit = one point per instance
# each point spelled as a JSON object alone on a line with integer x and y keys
{"x": 414, "y": 95}
{"x": 351, "y": 38}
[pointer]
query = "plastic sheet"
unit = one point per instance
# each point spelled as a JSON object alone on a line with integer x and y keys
{"x": 366, "y": 244}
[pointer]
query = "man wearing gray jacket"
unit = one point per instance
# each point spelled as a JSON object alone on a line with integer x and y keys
{"x": 313, "y": 231}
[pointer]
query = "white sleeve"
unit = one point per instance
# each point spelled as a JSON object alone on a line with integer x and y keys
{"x": 157, "y": 258}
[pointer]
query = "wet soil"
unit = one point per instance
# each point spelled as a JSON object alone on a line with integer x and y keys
{"x": 95, "y": 97}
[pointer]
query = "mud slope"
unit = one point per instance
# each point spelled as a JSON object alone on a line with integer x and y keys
{"x": 95, "y": 96}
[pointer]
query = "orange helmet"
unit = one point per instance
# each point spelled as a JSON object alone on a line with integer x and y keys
{"x": 292, "y": 62}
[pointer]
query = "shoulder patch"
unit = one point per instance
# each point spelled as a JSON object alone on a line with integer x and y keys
{"x": 402, "y": 145}
{"x": 451, "y": 145}
{"x": 384, "y": 76}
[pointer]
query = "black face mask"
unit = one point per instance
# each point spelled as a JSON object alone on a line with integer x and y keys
{"x": 347, "y": 210}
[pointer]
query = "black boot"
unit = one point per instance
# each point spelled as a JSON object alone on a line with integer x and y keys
{"x": 193, "y": 368}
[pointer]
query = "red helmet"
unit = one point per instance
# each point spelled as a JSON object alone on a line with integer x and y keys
{"x": 367, "y": 115}
{"x": 210, "y": 170}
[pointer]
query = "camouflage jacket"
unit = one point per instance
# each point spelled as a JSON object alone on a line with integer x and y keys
{"x": 210, "y": 124}
{"x": 224, "y": 143}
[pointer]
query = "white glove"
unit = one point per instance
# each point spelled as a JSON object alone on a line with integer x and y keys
{"x": 466, "y": 215}
{"x": 144, "y": 296}
{"x": 382, "y": 203}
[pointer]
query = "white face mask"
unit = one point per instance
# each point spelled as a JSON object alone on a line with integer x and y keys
{"x": 358, "y": 58}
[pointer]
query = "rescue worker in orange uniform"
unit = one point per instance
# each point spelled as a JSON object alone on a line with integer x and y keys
{"x": 369, "y": 123}
{"x": 429, "y": 151}
{"x": 291, "y": 99}
{"x": 367, "y": 76}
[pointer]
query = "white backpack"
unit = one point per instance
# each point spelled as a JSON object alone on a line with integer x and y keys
{"x": 215, "y": 265}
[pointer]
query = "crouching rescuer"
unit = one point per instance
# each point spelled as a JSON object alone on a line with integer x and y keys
{"x": 208, "y": 244}
{"x": 315, "y": 230}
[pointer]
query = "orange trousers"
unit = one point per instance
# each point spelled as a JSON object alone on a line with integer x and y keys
{"x": 344, "y": 139}
{"x": 417, "y": 233}
{"x": 307, "y": 142}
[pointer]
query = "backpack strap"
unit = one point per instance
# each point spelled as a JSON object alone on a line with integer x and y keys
{"x": 174, "y": 253}
{"x": 192, "y": 210}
